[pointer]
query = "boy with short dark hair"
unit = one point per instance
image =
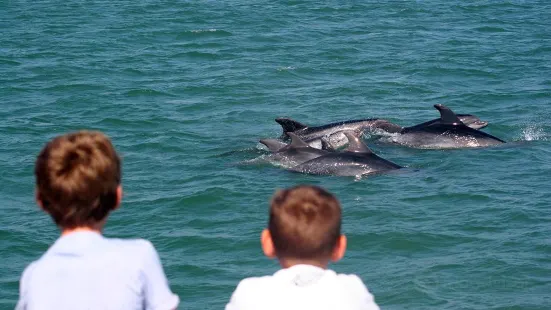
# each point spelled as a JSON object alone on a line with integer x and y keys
{"x": 304, "y": 234}
{"x": 78, "y": 182}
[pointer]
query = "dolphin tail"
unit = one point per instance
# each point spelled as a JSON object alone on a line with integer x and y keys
{"x": 289, "y": 125}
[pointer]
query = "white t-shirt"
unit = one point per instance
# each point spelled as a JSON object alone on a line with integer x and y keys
{"x": 84, "y": 270}
{"x": 302, "y": 287}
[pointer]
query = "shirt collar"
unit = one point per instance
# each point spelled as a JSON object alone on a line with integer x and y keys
{"x": 75, "y": 243}
{"x": 301, "y": 275}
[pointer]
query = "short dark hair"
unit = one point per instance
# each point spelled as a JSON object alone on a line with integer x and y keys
{"x": 305, "y": 222}
{"x": 77, "y": 175}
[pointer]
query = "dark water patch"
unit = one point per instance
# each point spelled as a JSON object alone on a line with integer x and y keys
{"x": 9, "y": 62}
{"x": 481, "y": 6}
{"x": 77, "y": 87}
{"x": 490, "y": 29}
{"x": 197, "y": 55}
{"x": 339, "y": 8}
{"x": 403, "y": 243}
{"x": 146, "y": 92}
{"x": 447, "y": 71}
{"x": 199, "y": 45}
{"x": 539, "y": 51}
{"x": 125, "y": 122}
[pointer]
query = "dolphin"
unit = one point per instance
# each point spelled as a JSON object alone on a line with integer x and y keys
{"x": 291, "y": 154}
{"x": 446, "y": 132}
{"x": 470, "y": 120}
{"x": 356, "y": 160}
{"x": 330, "y": 135}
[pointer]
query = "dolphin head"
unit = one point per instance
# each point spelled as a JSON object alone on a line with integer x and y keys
{"x": 472, "y": 121}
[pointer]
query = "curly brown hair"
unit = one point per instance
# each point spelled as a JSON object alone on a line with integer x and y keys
{"x": 305, "y": 222}
{"x": 77, "y": 175}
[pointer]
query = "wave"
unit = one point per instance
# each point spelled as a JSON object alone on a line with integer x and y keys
{"x": 204, "y": 32}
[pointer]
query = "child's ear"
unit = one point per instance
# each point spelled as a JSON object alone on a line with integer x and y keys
{"x": 340, "y": 248}
{"x": 267, "y": 244}
{"x": 119, "y": 197}
{"x": 38, "y": 199}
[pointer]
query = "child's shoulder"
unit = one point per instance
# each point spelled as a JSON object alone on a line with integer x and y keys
{"x": 111, "y": 249}
{"x": 356, "y": 287}
{"x": 346, "y": 288}
{"x": 136, "y": 244}
{"x": 252, "y": 284}
{"x": 133, "y": 248}
{"x": 259, "y": 282}
{"x": 251, "y": 290}
{"x": 28, "y": 271}
{"x": 255, "y": 281}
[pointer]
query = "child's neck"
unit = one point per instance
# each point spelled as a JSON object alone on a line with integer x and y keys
{"x": 290, "y": 262}
{"x": 97, "y": 228}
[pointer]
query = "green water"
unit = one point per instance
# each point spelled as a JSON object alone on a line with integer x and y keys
{"x": 186, "y": 90}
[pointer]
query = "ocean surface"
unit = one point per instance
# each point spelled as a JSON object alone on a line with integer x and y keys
{"x": 185, "y": 89}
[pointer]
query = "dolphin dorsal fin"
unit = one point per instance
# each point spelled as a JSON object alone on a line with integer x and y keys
{"x": 296, "y": 141}
{"x": 355, "y": 144}
{"x": 447, "y": 116}
{"x": 289, "y": 125}
{"x": 273, "y": 145}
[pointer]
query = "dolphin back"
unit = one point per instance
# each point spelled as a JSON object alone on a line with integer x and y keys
{"x": 480, "y": 134}
{"x": 346, "y": 164}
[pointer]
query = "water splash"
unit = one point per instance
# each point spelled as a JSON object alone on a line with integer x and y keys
{"x": 533, "y": 133}
{"x": 288, "y": 68}
{"x": 261, "y": 147}
{"x": 204, "y": 30}
{"x": 379, "y": 132}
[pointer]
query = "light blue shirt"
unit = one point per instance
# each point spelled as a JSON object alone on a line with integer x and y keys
{"x": 84, "y": 270}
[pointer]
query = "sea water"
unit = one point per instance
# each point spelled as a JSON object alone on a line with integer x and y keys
{"x": 185, "y": 89}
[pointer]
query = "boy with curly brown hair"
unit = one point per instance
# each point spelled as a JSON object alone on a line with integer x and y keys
{"x": 78, "y": 183}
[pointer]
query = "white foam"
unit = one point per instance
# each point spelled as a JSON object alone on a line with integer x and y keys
{"x": 533, "y": 133}
{"x": 289, "y": 68}
{"x": 262, "y": 147}
{"x": 204, "y": 30}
